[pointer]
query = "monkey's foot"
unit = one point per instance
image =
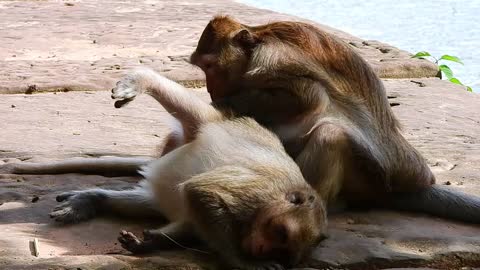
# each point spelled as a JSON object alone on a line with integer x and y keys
{"x": 76, "y": 206}
{"x": 133, "y": 244}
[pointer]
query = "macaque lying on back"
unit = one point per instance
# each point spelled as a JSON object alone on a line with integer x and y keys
{"x": 233, "y": 185}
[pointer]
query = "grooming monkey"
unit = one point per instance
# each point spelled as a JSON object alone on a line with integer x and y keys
{"x": 232, "y": 185}
{"x": 330, "y": 111}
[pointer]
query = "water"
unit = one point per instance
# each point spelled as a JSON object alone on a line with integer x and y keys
{"x": 439, "y": 26}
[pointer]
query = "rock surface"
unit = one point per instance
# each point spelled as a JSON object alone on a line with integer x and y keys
{"x": 87, "y": 45}
{"x": 52, "y": 126}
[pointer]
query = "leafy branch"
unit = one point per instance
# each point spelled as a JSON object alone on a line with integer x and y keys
{"x": 446, "y": 70}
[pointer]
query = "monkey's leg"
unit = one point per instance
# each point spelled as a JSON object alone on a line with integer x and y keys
{"x": 82, "y": 205}
{"x": 324, "y": 159}
{"x": 190, "y": 110}
{"x": 173, "y": 235}
{"x": 110, "y": 166}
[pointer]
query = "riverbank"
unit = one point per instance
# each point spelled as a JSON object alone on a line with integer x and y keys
{"x": 73, "y": 51}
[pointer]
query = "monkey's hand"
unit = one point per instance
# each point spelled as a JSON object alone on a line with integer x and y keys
{"x": 135, "y": 245}
{"x": 131, "y": 86}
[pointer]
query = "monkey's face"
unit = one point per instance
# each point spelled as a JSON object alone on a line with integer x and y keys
{"x": 287, "y": 231}
{"x": 223, "y": 54}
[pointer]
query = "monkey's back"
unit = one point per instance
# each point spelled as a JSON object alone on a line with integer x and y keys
{"x": 241, "y": 141}
{"x": 238, "y": 142}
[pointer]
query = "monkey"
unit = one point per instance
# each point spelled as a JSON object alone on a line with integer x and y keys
{"x": 329, "y": 109}
{"x": 232, "y": 186}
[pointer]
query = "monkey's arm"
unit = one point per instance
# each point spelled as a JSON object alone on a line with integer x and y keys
{"x": 109, "y": 166}
{"x": 190, "y": 110}
{"x": 269, "y": 103}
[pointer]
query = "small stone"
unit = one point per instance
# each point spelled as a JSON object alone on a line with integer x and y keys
{"x": 94, "y": 41}
{"x": 448, "y": 183}
{"x": 13, "y": 106}
{"x": 35, "y": 199}
{"x": 30, "y": 89}
{"x": 69, "y": 4}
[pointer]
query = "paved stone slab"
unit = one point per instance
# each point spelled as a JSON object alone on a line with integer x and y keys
{"x": 439, "y": 118}
{"x": 87, "y": 44}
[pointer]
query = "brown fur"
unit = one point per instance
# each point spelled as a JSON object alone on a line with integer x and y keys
{"x": 297, "y": 78}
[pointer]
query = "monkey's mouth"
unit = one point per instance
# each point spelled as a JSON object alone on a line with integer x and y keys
{"x": 261, "y": 251}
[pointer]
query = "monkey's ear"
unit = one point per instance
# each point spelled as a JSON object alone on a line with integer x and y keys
{"x": 245, "y": 39}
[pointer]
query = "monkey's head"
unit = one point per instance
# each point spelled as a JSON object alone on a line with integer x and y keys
{"x": 260, "y": 215}
{"x": 223, "y": 53}
{"x": 288, "y": 229}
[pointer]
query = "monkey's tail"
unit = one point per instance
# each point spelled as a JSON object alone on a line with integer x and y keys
{"x": 108, "y": 166}
{"x": 440, "y": 201}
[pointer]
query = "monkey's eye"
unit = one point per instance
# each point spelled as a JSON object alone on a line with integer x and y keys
{"x": 296, "y": 198}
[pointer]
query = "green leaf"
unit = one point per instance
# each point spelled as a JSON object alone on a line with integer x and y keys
{"x": 469, "y": 89}
{"x": 455, "y": 81}
{"x": 421, "y": 54}
{"x": 447, "y": 71}
{"x": 451, "y": 58}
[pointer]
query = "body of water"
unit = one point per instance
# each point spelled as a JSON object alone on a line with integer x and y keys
{"x": 439, "y": 26}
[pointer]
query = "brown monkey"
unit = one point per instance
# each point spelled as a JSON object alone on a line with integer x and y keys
{"x": 330, "y": 110}
{"x": 218, "y": 187}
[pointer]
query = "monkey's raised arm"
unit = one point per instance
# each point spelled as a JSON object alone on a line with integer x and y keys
{"x": 189, "y": 109}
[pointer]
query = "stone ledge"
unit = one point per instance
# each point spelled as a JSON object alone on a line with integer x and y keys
{"x": 87, "y": 45}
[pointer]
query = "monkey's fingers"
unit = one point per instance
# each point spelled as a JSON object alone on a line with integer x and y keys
{"x": 131, "y": 242}
{"x": 121, "y": 103}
